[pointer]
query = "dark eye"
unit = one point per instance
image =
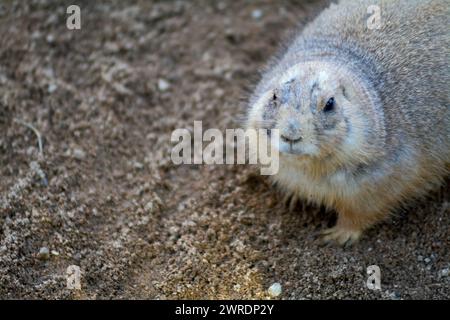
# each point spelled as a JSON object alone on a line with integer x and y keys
{"x": 273, "y": 103}
{"x": 329, "y": 106}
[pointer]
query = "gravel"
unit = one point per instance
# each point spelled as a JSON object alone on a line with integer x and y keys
{"x": 115, "y": 205}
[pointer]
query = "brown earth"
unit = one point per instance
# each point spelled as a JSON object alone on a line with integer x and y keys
{"x": 105, "y": 196}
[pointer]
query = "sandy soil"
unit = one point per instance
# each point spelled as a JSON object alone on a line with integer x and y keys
{"x": 105, "y": 196}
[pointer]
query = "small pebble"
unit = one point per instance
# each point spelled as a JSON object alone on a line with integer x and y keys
{"x": 149, "y": 207}
{"x": 52, "y": 88}
{"x": 79, "y": 154}
{"x": 275, "y": 290}
{"x": 257, "y": 14}
{"x": 221, "y": 6}
{"x": 445, "y": 272}
{"x": 163, "y": 85}
{"x": 50, "y": 38}
{"x": 138, "y": 165}
{"x": 394, "y": 295}
{"x": 44, "y": 253}
{"x": 427, "y": 260}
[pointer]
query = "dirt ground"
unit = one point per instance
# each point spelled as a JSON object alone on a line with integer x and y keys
{"x": 106, "y": 197}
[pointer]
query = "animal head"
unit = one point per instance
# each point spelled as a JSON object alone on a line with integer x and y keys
{"x": 322, "y": 111}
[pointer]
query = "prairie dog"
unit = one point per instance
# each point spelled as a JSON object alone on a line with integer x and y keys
{"x": 363, "y": 114}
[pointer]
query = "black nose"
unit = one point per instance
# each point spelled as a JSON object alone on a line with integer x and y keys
{"x": 291, "y": 140}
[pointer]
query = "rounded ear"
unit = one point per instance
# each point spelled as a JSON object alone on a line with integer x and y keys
{"x": 345, "y": 87}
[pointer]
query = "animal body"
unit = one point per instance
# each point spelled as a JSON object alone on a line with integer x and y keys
{"x": 363, "y": 113}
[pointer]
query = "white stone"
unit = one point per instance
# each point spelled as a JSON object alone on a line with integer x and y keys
{"x": 79, "y": 154}
{"x": 274, "y": 290}
{"x": 163, "y": 85}
{"x": 257, "y": 14}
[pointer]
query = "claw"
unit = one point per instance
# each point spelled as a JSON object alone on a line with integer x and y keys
{"x": 291, "y": 201}
{"x": 342, "y": 236}
{"x": 286, "y": 199}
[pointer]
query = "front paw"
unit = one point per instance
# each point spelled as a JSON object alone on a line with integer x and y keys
{"x": 341, "y": 236}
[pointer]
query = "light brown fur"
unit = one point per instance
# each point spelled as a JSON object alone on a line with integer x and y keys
{"x": 387, "y": 138}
